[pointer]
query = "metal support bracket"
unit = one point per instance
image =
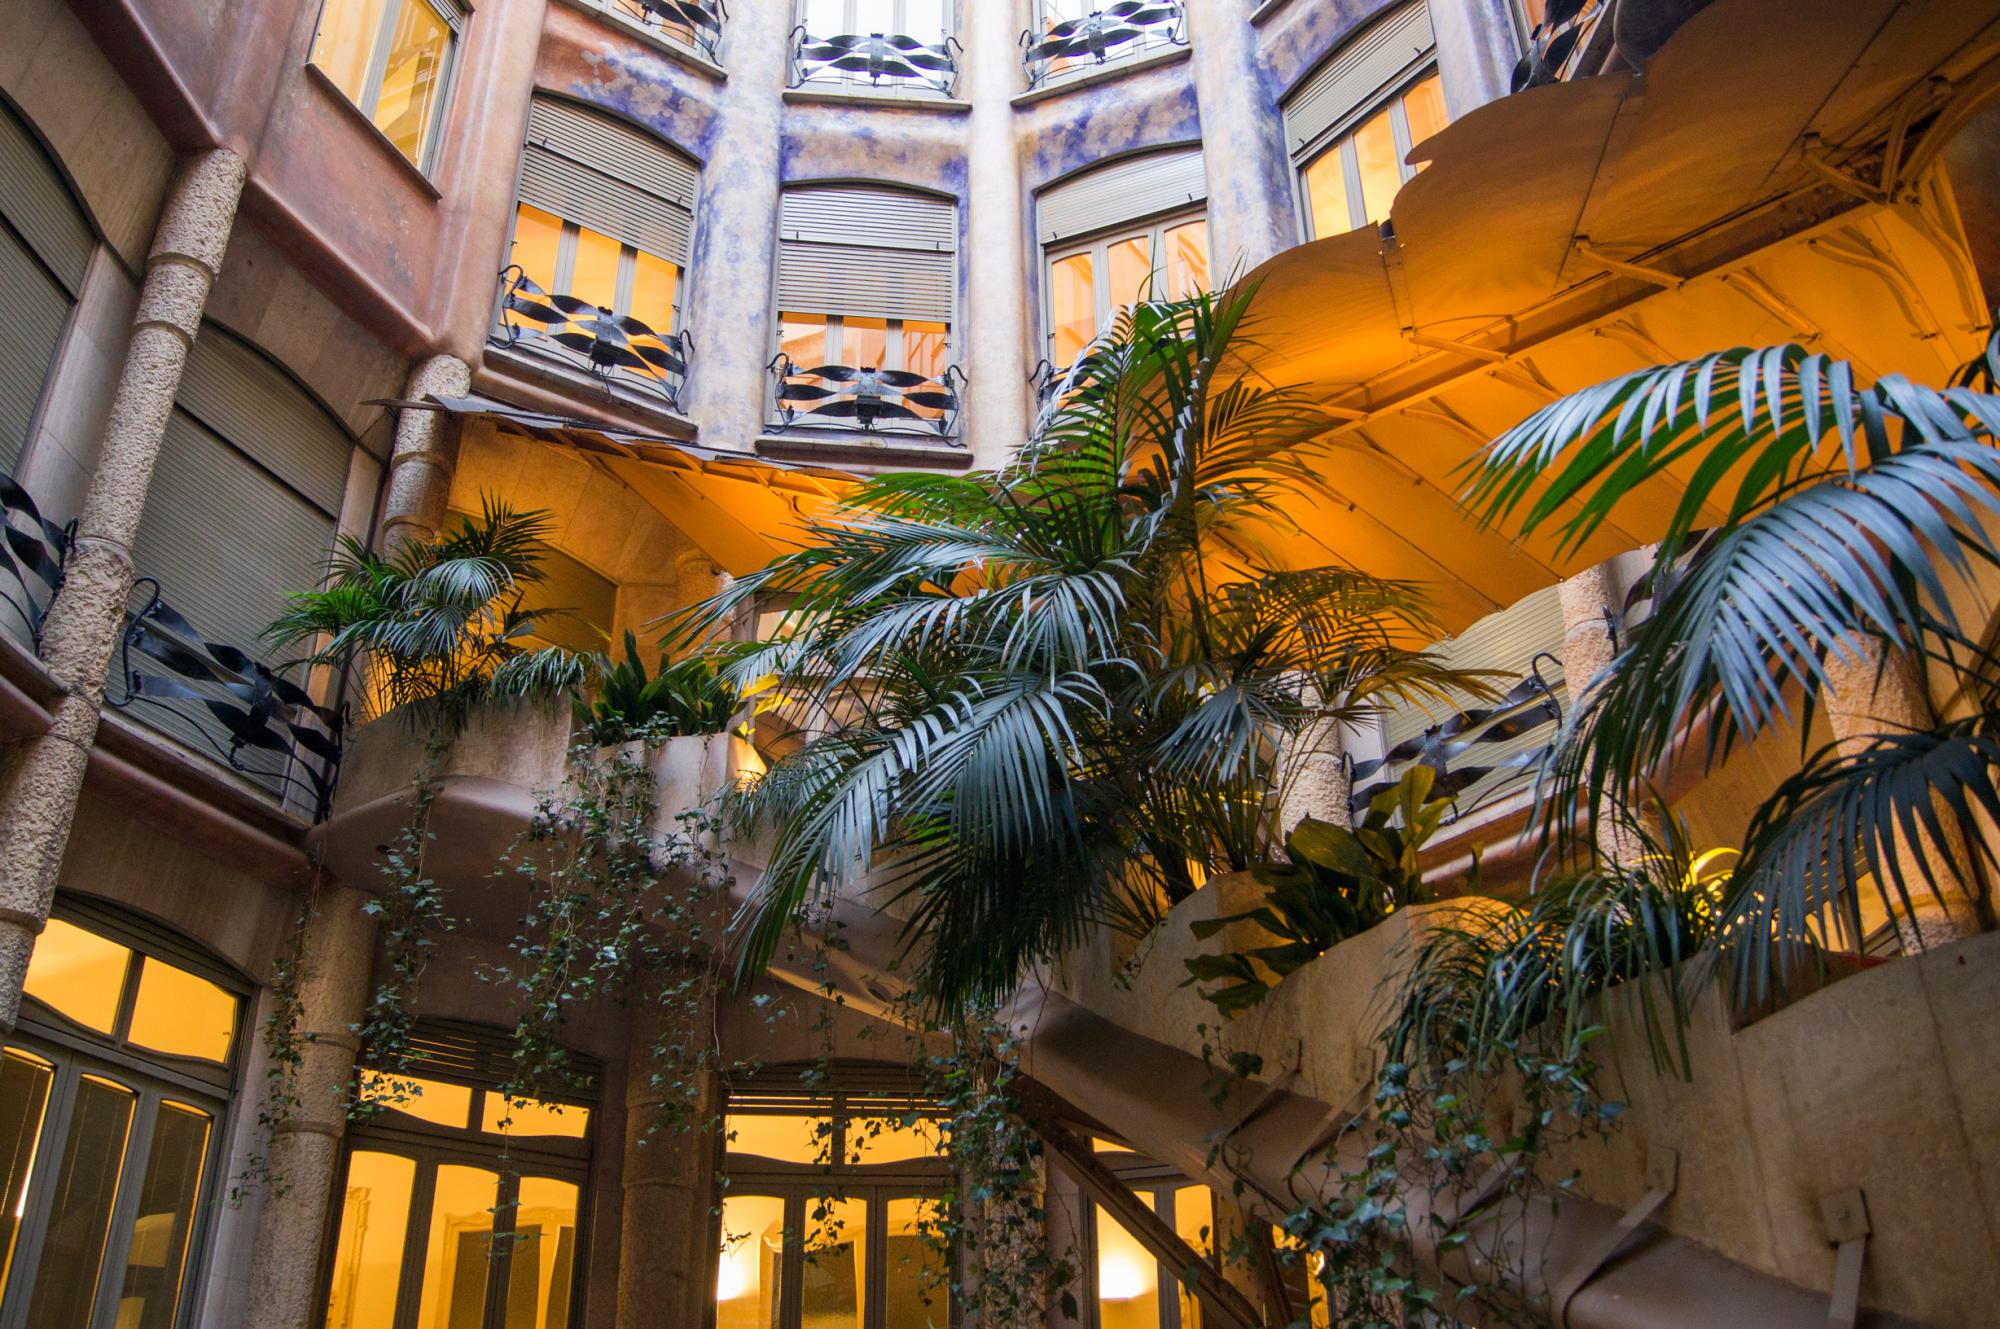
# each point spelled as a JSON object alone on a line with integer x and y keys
{"x": 1662, "y": 1176}
{"x": 1845, "y": 1214}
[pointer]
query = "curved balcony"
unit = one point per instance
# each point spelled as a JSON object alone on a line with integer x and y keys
{"x": 1069, "y": 48}
{"x": 877, "y": 61}
{"x": 872, "y": 401}
{"x": 693, "y": 23}
{"x": 617, "y": 349}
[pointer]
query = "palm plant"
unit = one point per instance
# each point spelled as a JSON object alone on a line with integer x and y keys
{"x": 441, "y": 623}
{"x": 682, "y": 699}
{"x": 1033, "y": 698}
{"x": 1848, "y": 516}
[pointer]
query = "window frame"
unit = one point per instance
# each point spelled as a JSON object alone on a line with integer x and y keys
{"x": 1098, "y": 245}
{"x": 568, "y": 240}
{"x": 1159, "y": 1185}
{"x": 850, "y": 22}
{"x": 1044, "y": 17}
{"x": 452, "y": 16}
{"x": 1340, "y": 138}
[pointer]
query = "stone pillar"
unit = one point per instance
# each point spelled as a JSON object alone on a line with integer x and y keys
{"x": 993, "y": 336}
{"x": 336, "y": 964}
{"x": 1066, "y": 1220}
{"x": 418, "y": 484}
{"x": 1477, "y": 46}
{"x": 1315, "y": 778}
{"x": 40, "y": 780}
{"x": 1593, "y": 610}
{"x": 1867, "y": 695}
{"x": 1251, "y": 213}
{"x": 666, "y": 1247}
{"x": 731, "y": 269}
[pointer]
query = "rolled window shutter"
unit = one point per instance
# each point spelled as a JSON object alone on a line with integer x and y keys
{"x": 592, "y": 170}
{"x": 868, "y": 253}
{"x": 37, "y": 309}
{"x": 1358, "y": 74}
{"x": 1124, "y": 191}
{"x": 242, "y": 397}
{"x": 37, "y": 203}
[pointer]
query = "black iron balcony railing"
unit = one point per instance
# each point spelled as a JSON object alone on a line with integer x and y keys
{"x": 875, "y": 401}
{"x": 33, "y": 552}
{"x": 1559, "y": 47}
{"x": 1464, "y": 749}
{"x": 696, "y": 23}
{"x": 617, "y": 348}
{"x": 874, "y": 60}
{"x": 1078, "y": 45}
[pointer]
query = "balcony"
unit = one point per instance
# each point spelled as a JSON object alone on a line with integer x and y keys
{"x": 877, "y": 402}
{"x": 1071, "y": 47}
{"x": 695, "y": 24}
{"x": 620, "y": 351}
{"x": 874, "y": 61}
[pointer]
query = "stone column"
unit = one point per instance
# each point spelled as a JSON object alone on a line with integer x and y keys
{"x": 666, "y": 1247}
{"x": 1593, "y": 611}
{"x": 731, "y": 268}
{"x": 1067, "y": 1222}
{"x": 336, "y": 964}
{"x": 40, "y": 780}
{"x": 1315, "y": 778}
{"x": 1251, "y": 214}
{"x": 1477, "y": 46}
{"x": 993, "y": 335}
{"x": 418, "y": 484}
{"x": 1866, "y": 696}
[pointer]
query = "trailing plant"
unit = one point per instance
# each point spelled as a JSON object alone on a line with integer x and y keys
{"x": 284, "y": 1046}
{"x": 677, "y": 700}
{"x": 1024, "y": 694}
{"x": 1339, "y": 882}
{"x": 440, "y": 624}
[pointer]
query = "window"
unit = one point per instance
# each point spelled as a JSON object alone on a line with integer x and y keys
{"x": 1354, "y": 121}
{"x": 834, "y": 1203}
{"x": 601, "y": 236}
{"x": 392, "y": 58}
{"x": 459, "y": 1206}
{"x": 867, "y": 281}
{"x": 1089, "y": 285}
{"x": 926, "y": 20}
{"x": 1075, "y": 36}
{"x": 1130, "y": 1288}
{"x": 695, "y": 23}
{"x": 111, "y": 1100}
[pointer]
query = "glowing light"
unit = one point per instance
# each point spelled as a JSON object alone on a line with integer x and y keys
{"x": 736, "y": 1278}
{"x": 1121, "y": 1277}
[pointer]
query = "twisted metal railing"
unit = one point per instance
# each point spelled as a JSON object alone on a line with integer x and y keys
{"x": 1123, "y": 28}
{"x": 1461, "y": 749}
{"x": 33, "y": 554}
{"x": 1557, "y": 45}
{"x": 696, "y": 23}
{"x": 872, "y": 58}
{"x": 874, "y": 400}
{"x": 617, "y": 348}
{"x": 277, "y": 735}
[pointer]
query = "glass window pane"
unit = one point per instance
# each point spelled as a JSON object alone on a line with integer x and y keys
{"x": 157, "y": 1252}
{"x": 832, "y": 1280}
{"x": 542, "y": 1255}
{"x": 348, "y": 30}
{"x": 24, "y": 1097}
{"x": 1128, "y": 1279}
{"x": 826, "y": 18}
{"x": 595, "y": 277}
{"x": 924, "y": 348}
{"x": 1423, "y": 105}
{"x": 537, "y": 235}
{"x": 78, "y": 973}
{"x": 80, "y": 1216}
{"x": 182, "y": 1014}
{"x": 531, "y": 1117}
{"x": 374, "y": 1225}
{"x": 864, "y": 342}
{"x": 746, "y": 1275}
{"x": 1381, "y": 168}
{"x": 924, "y": 19}
{"x": 915, "y": 1291}
{"x": 1131, "y": 272}
{"x": 1326, "y": 194}
{"x": 655, "y": 284}
{"x": 890, "y": 1140}
{"x": 1100, "y": 1145}
{"x": 803, "y": 338}
{"x": 788, "y": 1139}
{"x": 1072, "y": 307}
{"x": 1194, "y": 1221}
{"x": 434, "y": 1101}
{"x": 1187, "y": 259}
{"x": 414, "y": 77}
{"x": 458, "y": 1254}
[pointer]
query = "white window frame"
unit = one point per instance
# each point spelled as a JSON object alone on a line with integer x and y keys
{"x": 1341, "y": 139}
{"x": 851, "y": 21}
{"x": 1098, "y": 246}
{"x": 378, "y": 65}
{"x": 628, "y": 269}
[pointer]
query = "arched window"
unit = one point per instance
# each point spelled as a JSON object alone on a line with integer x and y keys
{"x": 45, "y": 245}
{"x": 112, "y": 1095}
{"x": 460, "y": 1206}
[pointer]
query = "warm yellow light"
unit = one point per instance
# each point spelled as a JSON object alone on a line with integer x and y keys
{"x": 1120, "y": 1277}
{"x": 1712, "y": 869}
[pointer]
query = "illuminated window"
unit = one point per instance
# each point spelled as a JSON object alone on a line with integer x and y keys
{"x": 391, "y": 58}
{"x": 459, "y": 1195}
{"x": 107, "y": 1164}
{"x": 1352, "y": 180}
{"x": 1129, "y": 1287}
{"x": 1092, "y": 281}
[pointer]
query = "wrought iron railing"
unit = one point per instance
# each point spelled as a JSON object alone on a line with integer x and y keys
{"x": 33, "y": 552}
{"x": 1077, "y": 45}
{"x": 875, "y": 401}
{"x": 874, "y": 60}
{"x": 696, "y": 23}
{"x": 617, "y": 348}
{"x": 1466, "y": 748}
{"x": 258, "y": 722}
{"x": 1559, "y": 44}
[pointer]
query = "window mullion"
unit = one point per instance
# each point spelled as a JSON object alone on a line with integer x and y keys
{"x": 124, "y": 1208}
{"x": 378, "y": 58}
{"x": 39, "y": 1198}
{"x": 500, "y": 1249}
{"x": 628, "y": 273}
{"x": 895, "y": 353}
{"x": 1350, "y": 169}
{"x": 876, "y": 1271}
{"x": 128, "y": 1000}
{"x": 565, "y": 272}
{"x": 416, "y": 1240}
{"x": 1399, "y": 131}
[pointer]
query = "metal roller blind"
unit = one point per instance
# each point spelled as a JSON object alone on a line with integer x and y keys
{"x": 36, "y": 310}
{"x": 1121, "y": 192}
{"x": 1358, "y": 74}
{"x": 37, "y": 204}
{"x": 600, "y": 173}
{"x": 242, "y": 397}
{"x": 869, "y": 253}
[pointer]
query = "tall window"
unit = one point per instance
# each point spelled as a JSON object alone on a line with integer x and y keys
{"x": 1353, "y": 122}
{"x": 1076, "y": 36}
{"x": 459, "y": 1206}
{"x": 926, "y": 20}
{"x": 832, "y": 1212}
{"x": 112, "y": 1093}
{"x": 392, "y": 58}
{"x": 1131, "y": 1289}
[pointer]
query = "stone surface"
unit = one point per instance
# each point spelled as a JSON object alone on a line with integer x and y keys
{"x": 425, "y": 455}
